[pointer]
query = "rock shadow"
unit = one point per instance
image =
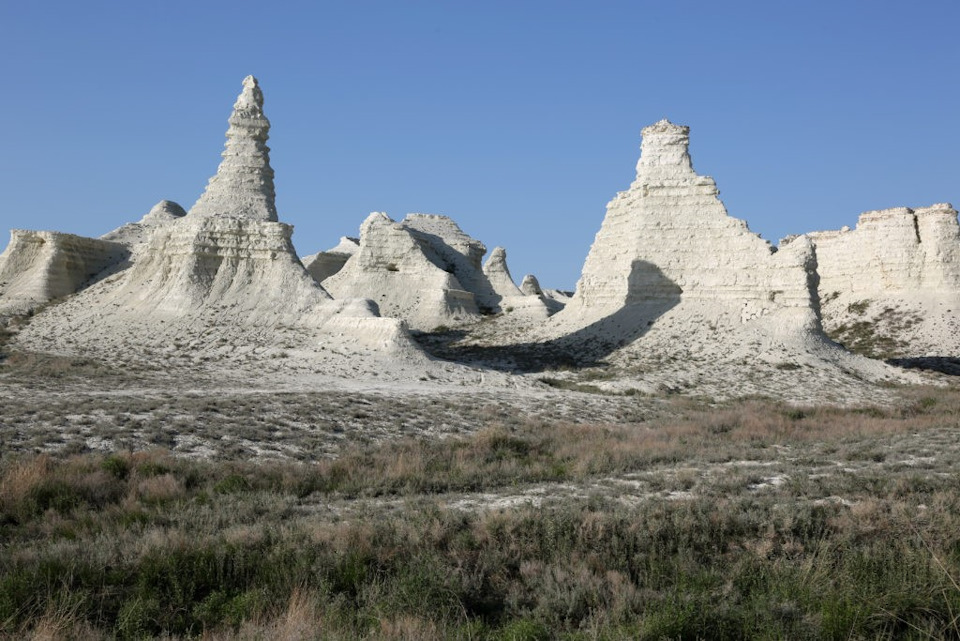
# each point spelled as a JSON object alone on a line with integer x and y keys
{"x": 651, "y": 295}
{"x": 944, "y": 364}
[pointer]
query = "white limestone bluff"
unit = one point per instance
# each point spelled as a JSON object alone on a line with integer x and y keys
{"x": 674, "y": 294}
{"x": 891, "y": 287}
{"x": 673, "y": 283}
{"x": 243, "y": 184}
{"x": 670, "y": 237}
{"x": 224, "y": 280}
{"x": 40, "y": 266}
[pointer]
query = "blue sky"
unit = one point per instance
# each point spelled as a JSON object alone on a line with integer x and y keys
{"x": 519, "y": 119}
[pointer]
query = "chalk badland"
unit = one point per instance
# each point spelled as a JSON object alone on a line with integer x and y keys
{"x": 675, "y": 294}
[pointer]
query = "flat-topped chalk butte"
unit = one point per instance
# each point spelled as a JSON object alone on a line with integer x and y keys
{"x": 40, "y": 266}
{"x": 891, "y": 287}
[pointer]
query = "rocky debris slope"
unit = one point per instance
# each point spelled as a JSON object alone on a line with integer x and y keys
{"x": 891, "y": 287}
{"x": 325, "y": 264}
{"x": 135, "y": 235}
{"x": 424, "y": 270}
{"x": 40, "y": 266}
{"x": 224, "y": 282}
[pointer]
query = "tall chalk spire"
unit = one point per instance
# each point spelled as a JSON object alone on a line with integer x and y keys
{"x": 243, "y": 185}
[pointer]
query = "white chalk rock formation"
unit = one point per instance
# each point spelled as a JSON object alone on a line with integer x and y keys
{"x": 243, "y": 184}
{"x": 459, "y": 253}
{"x": 325, "y": 264}
{"x": 224, "y": 280}
{"x": 135, "y": 235}
{"x": 403, "y": 272}
{"x": 497, "y": 272}
{"x": 40, "y": 266}
{"x": 891, "y": 287}
{"x": 512, "y": 299}
{"x": 426, "y": 271}
{"x": 531, "y": 286}
{"x": 669, "y": 236}
{"x": 555, "y": 299}
{"x": 673, "y": 283}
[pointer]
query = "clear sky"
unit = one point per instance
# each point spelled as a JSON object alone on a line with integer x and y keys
{"x": 520, "y": 118}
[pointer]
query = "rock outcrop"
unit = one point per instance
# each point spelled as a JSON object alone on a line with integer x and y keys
{"x": 673, "y": 282}
{"x": 513, "y": 300}
{"x": 135, "y": 235}
{"x": 891, "y": 287}
{"x": 497, "y": 272}
{"x": 403, "y": 272}
{"x": 224, "y": 280}
{"x": 243, "y": 184}
{"x": 40, "y": 266}
{"x": 531, "y": 286}
{"x": 426, "y": 271}
{"x": 325, "y": 264}
{"x": 669, "y": 237}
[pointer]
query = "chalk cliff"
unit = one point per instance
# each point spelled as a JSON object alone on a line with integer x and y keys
{"x": 672, "y": 283}
{"x": 408, "y": 274}
{"x": 891, "y": 286}
{"x": 669, "y": 237}
{"x": 40, "y": 266}
{"x": 427, "y": 271}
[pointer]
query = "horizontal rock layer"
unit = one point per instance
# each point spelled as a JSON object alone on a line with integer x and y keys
{"x": 40, "y": 266}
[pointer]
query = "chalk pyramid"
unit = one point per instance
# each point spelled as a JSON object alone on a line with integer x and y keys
{"x": 674, "y": 284}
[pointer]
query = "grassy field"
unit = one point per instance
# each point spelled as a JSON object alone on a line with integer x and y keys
{"x": 715, "y": 521}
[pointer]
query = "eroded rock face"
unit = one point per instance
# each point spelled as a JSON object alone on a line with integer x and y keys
{"x": 243, "y": 184}
{"x": 669, "y": 237}
{"x": 512, "y": 299}
{"x": 224, "y": 280}
{"x": 325, "y": 264}
{"x": 497, "y": 272}
{"x": 39, "y": 266}
{"x": 675, "y": 286}
{"x": 426, "y": 271}
{"x": 402, "y": 271}
{"x": 246, "y": 264}
{"x": 891, "y": 287}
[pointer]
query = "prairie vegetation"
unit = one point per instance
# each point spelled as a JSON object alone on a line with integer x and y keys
{"x": 743, "y": 520}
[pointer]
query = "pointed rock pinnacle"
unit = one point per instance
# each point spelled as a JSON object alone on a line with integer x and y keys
{"x": 243, "y": 185}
